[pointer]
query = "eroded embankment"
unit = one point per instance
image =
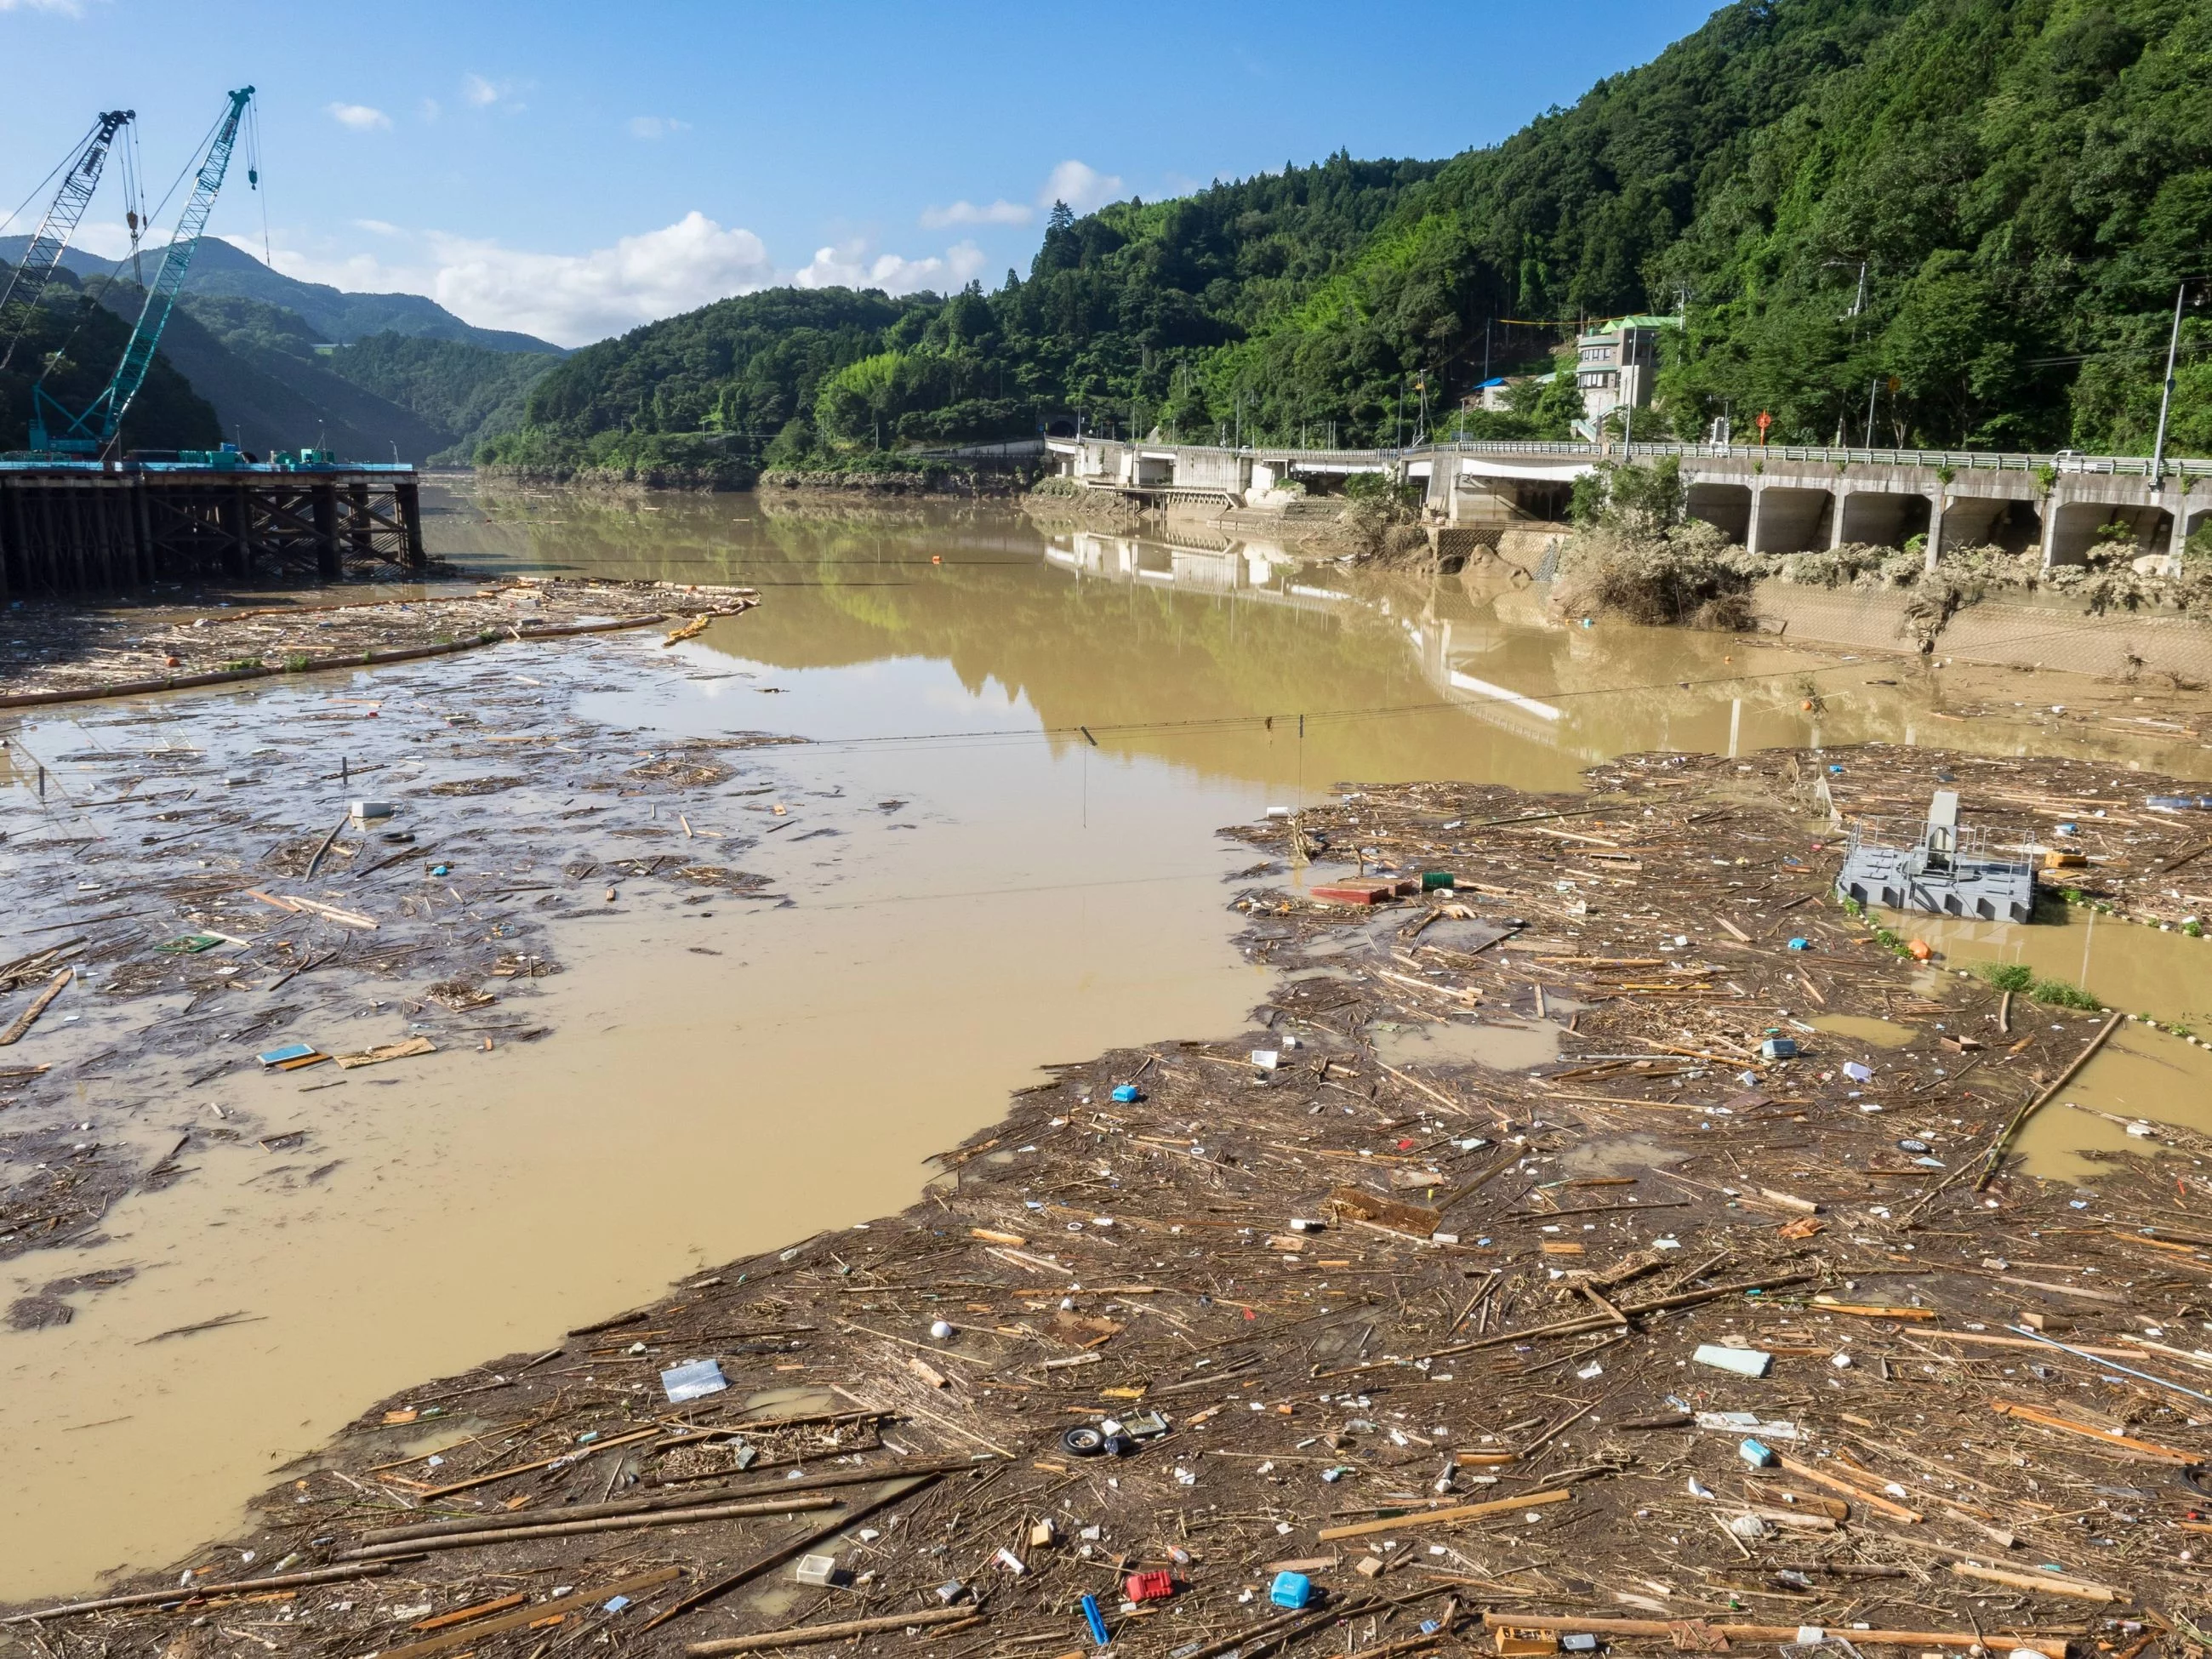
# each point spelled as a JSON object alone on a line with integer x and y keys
{"x": 1659, "y": 1334}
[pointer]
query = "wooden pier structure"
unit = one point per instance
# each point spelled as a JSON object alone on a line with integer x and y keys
{"x": 69, "y": 529}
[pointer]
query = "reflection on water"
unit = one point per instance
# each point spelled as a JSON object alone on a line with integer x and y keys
{"x": 1186, "y": 646}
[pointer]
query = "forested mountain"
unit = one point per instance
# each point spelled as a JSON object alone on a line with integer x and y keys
{"x": 2023, "y": 183}
{"x": 84, "y": 342}
{"x": 468, "y": 392}
{"x": 220, "y": 270}
{"x": 271, "y": 380}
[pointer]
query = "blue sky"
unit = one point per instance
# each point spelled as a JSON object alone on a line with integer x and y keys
{"x": 573, "y": 170}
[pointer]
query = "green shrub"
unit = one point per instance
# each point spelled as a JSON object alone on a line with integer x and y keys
{"x": 2006, "y": 975}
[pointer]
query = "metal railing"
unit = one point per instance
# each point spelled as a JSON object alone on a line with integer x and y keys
{"x": 2063, "y": 462}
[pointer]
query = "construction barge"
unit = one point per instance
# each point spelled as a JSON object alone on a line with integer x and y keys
{"x": 71, "y": 527}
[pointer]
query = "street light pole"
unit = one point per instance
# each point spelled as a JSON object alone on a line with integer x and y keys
{"x": 2165, "y": 398}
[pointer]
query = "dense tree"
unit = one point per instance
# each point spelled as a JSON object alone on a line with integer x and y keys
{"x": 1912, "y": 222}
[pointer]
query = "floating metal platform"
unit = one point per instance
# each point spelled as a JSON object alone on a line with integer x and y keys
{"x": 70, "y": 528}
{"x": 1950, "y": 872}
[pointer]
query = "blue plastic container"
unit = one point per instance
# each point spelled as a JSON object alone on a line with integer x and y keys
{"x": 1126, "y": 1092}
{"x": 1097, "y": 1620}
{"x": 1290, "y": 1589}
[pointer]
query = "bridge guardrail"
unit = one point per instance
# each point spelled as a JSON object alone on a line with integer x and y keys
{"x": 1975, "y": 460}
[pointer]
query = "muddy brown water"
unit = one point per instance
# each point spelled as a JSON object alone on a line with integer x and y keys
{"x": 998, "y": 852}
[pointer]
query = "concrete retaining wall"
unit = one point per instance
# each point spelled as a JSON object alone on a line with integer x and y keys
{"x": 2027, "y": 632}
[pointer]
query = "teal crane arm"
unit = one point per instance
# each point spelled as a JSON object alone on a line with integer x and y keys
{"x": 28, "y": 279}
{"x": 95, "y": 428}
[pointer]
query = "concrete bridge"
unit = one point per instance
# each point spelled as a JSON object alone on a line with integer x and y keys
{"x": 1770, "y": 499}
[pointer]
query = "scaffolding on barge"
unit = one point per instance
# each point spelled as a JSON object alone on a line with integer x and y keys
{"x": 71, "y": 528}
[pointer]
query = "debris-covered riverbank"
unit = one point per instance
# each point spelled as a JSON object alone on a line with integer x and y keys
{"x": 55, "y": 651}
{"x": 1646, "y": 1332}
{"x": 322, "y": 873}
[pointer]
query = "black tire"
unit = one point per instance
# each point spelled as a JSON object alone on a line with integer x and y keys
{"x": 1083, "y": 1441}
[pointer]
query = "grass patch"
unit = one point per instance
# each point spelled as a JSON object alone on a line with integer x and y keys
{"x": 2006, "y": 975}
{"x": 2059, "y": 995}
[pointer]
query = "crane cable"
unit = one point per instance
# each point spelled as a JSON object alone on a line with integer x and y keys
{"x": 253, "y": 176}
{"x": 134, "y": 202}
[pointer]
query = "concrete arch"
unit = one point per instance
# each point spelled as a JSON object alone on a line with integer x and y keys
{"x": 2074, "y": 529}
{"x": 2196, "y": 518}
{"x": 1788, "y": 520}
{"x": 2013, "y": 523}
{"x": 1725, "y": 507}
{"x": 1880, "y": 517}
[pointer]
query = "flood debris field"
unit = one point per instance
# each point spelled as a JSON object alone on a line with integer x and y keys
{"x": 1665, "y": 1340}
{"x": 192, "y": 900}
{"x": 53, "y": 651}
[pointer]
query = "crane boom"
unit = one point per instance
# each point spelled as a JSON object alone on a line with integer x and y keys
{"x": 28, "y": 280}
{"x": 95, "y": 428}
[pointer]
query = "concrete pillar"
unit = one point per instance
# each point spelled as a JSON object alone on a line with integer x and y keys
{"x": 328, "y": 565}
{"x": 2050, "y": 527}
{"x": 241, "y": 531}
{"x": 1839, "y": 498}
{"x": 407, "y": 498}
{"x": 1751, "y": 530}
{"x": 1939, "y": 504}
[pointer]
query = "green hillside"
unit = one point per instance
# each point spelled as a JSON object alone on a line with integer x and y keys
{"x": 244, "y": 371}
{"x": 167, "y": 413}
{"x": 2024, "y": 182}
{"x": 467, "y": 392}
{"x": 222, "y": 271}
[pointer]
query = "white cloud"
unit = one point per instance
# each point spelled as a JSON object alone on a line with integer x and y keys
{"x": 656, "y": 126}
{"x": 484, "y": 93}
{"x": 1001, "y": 212}
{"x": 1081, "y": 187}
{"x": 66, "y": 7}
{"x": 361, "y": 118}
{"x": 574, "y": 298}
{"x": 849, "y": 266}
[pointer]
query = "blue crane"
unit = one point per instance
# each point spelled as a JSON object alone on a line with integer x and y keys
{"x": 79, "y": 180}
{"x": 93, "y": 429}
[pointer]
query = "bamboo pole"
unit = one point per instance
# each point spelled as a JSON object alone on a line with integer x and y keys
{"x": 2049, "y": 1647}
{"x": 676, "y": 1517}
{"x": 799, "y": 1635}
{"x": 2020, "y": 1118}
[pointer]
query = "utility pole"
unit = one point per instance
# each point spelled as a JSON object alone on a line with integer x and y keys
{"x": 1873, "y": 386}
{"x": 2165, "y": 398}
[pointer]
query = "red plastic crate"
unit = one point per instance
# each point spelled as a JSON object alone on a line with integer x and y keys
{"x": 1154, "y": 1586}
